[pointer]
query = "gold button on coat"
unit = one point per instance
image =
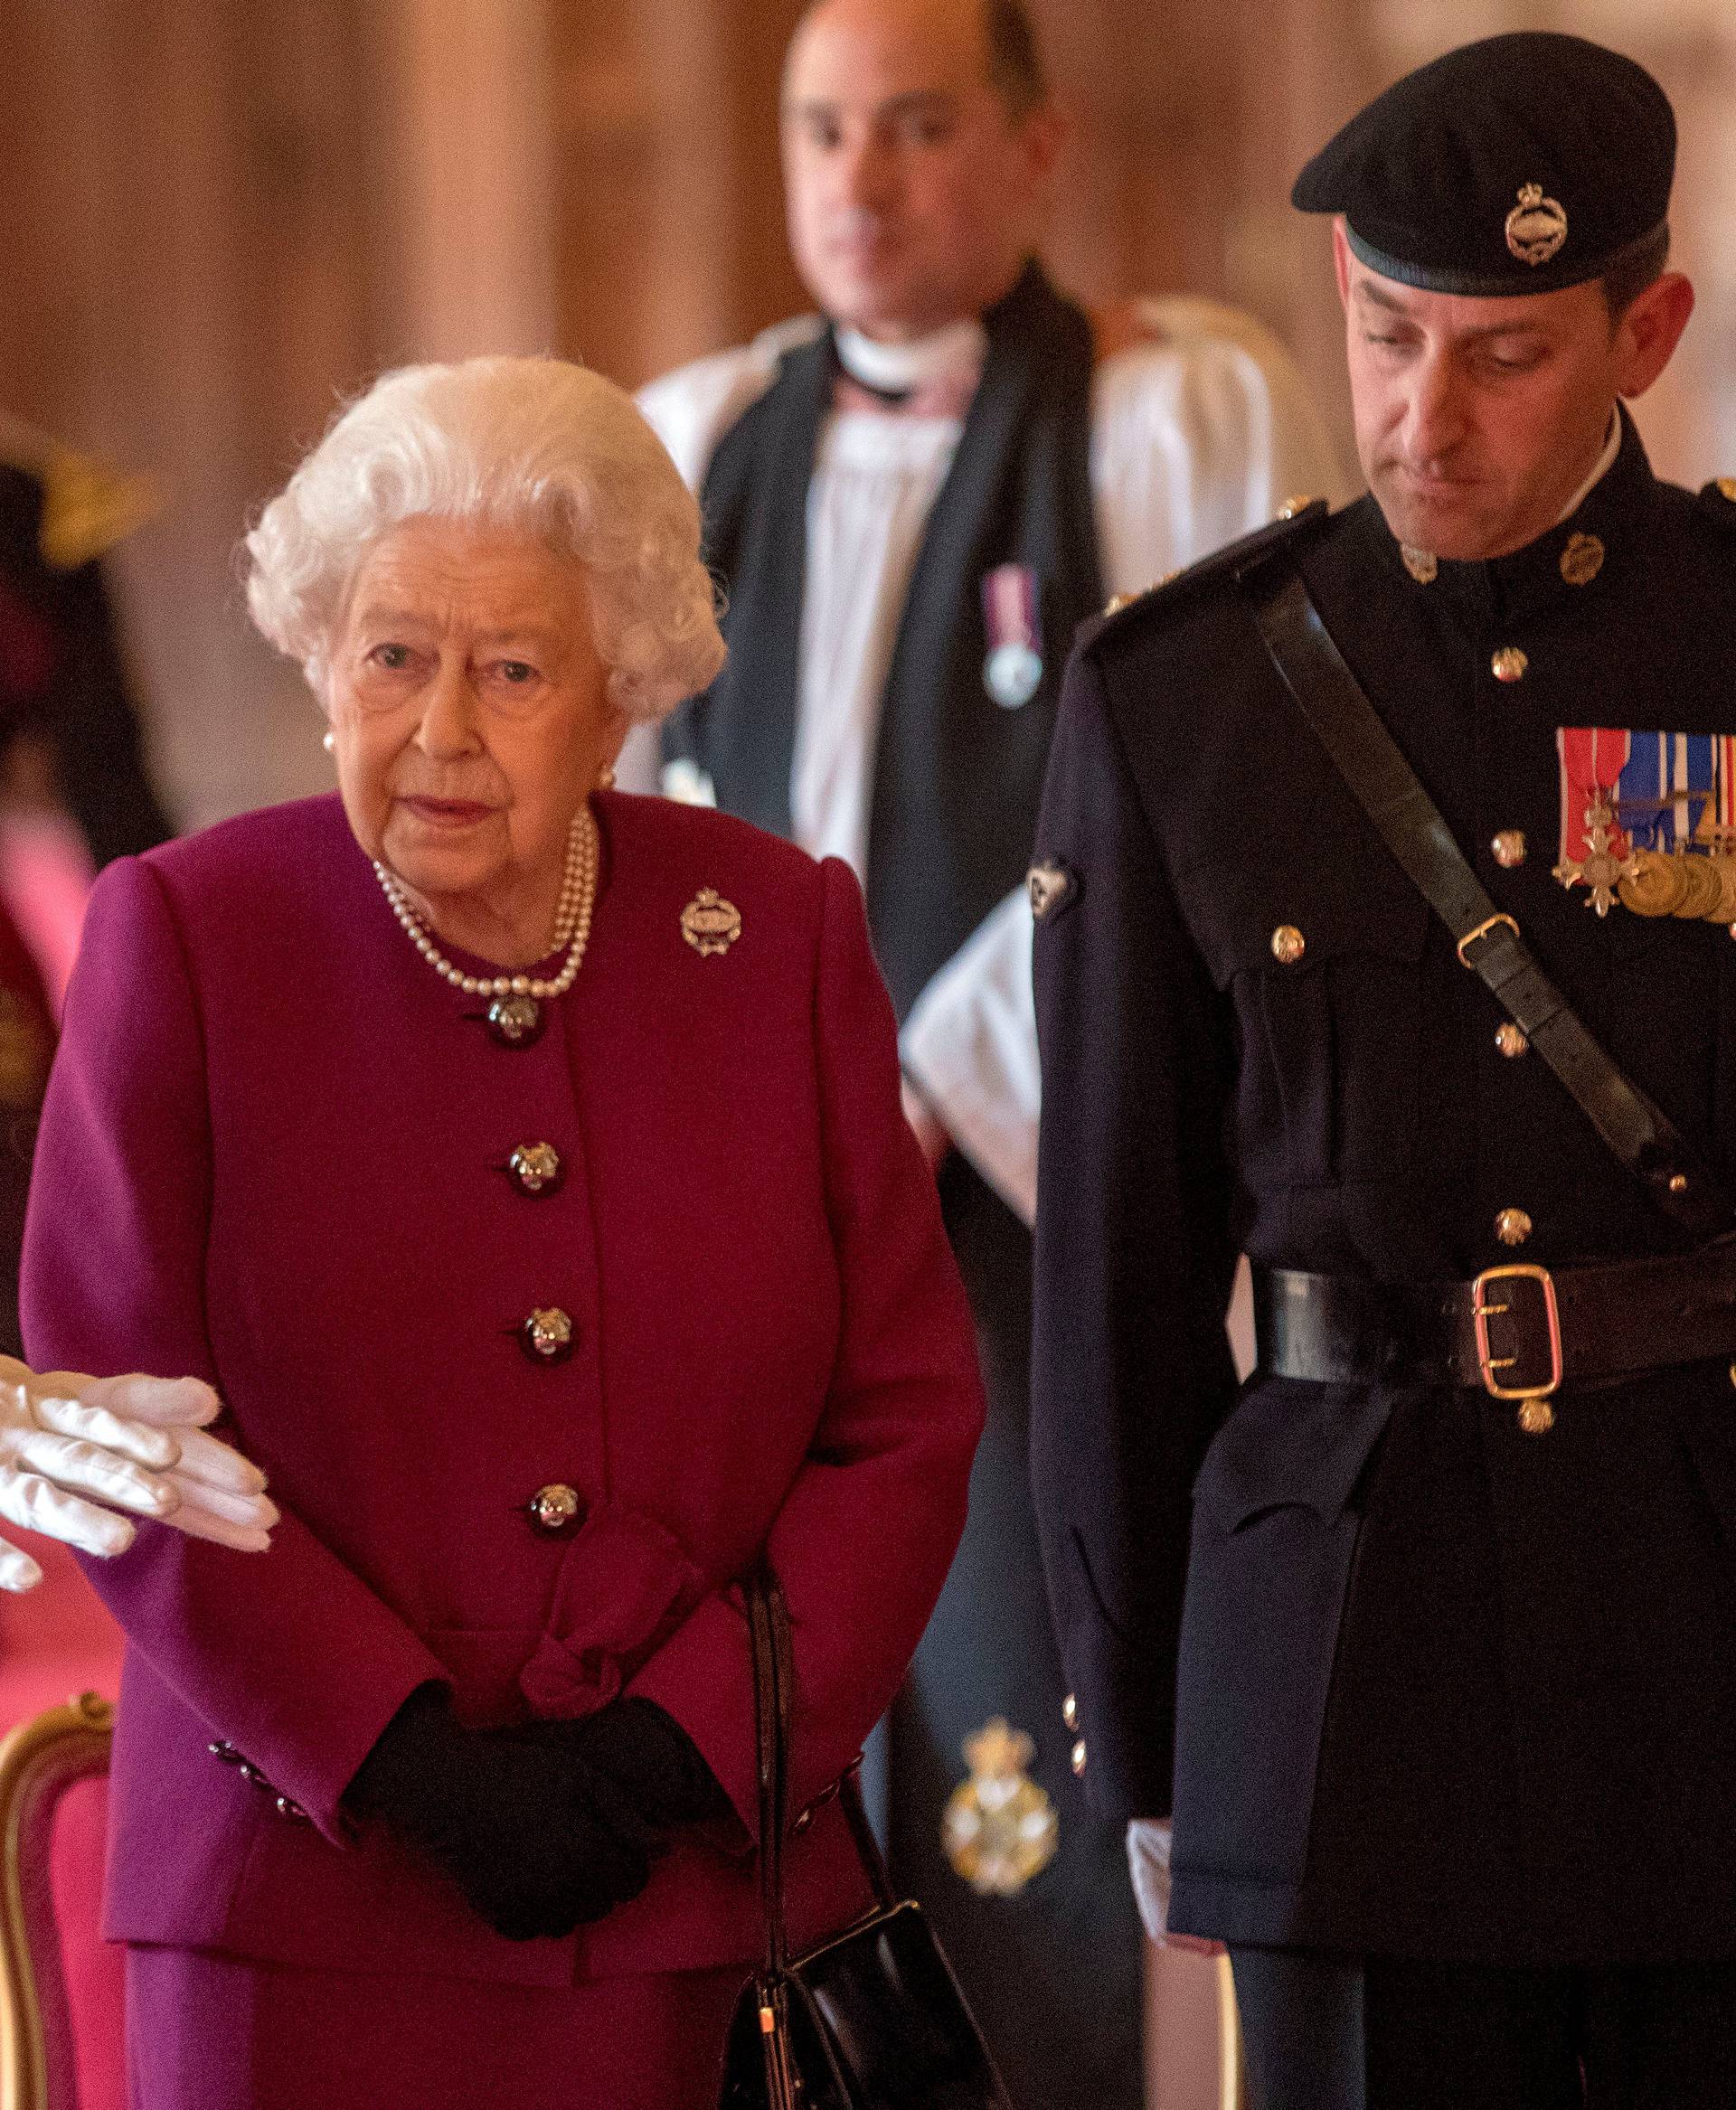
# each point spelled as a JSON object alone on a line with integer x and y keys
{"x": 1288, "y": 945}
{"x": 546, "y": 1337}
{"x": 1070, "y": 1711}
{"x": 1511, "y": 1039}
{"x": 1078, "y": 1757}
{"x": 1536, "y": 1416}
{"x": 1509, "y": 665}
{"x": 1513, "y": 1227}
{"x": 535, "y": 1168}
{"x": 1509, "y": 848}
{"x": 555, "y": 1507}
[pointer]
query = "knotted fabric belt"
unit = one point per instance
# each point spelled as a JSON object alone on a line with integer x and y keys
{"x": 1517, "y": 1332}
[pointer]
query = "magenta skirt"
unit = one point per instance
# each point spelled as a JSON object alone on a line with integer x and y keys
{"x": 208, "y": 2033}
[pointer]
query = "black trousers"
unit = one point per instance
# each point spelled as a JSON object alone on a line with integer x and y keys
{"x": 1053, "y": 1975}
{"x": 1322, "y": 2033}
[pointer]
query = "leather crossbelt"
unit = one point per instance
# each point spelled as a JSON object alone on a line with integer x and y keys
{"x": 1636, "y": 1131}
{"x": 1517, "y": 1332}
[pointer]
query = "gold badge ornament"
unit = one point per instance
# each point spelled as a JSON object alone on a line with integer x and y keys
{"x": 1537, "y": 227}
{"x": 1423, "y": 565}
{"x": 710, "y": 924}
{"x": 1049, "y": 885}
{"x": 1000, "y": 1827}
{"x": 1583, "y": 560}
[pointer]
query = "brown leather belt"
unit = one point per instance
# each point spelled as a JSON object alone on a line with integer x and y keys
{"x": 1517, "y": 1332}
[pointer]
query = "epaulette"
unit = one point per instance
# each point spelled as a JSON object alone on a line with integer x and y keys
{"x": 1297, "y": 518}
{"x": 88, "y": 508}
{"x": 1719, "y": 499}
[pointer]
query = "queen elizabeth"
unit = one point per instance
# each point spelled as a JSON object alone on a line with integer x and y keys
{"x": 523, "y": 1164}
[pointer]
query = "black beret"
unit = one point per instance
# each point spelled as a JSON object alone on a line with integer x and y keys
{"x": 1519, "y": 165}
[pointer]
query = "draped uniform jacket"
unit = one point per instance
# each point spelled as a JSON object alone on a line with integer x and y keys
{"x": 276, "y": 1153}
{"x": 1431, "y": 1686}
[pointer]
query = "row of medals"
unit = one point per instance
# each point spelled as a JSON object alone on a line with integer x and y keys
{"x": 1696, "y": 883}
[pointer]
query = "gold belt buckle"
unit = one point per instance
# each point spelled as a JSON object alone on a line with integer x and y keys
{"x": 1537, "y": 1416}
{"x": 1470, "y": 938}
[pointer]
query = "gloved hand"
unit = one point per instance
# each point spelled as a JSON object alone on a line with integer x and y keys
{"x": 645, "y": 1753}
{"x": 71, "y": 1444}
{"x": 539, "y": 1841}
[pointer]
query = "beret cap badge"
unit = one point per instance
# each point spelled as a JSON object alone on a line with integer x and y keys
{"x": 1537, "y": 227}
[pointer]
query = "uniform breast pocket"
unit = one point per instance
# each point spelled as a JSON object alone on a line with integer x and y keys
{"x": 1327, "y": 977}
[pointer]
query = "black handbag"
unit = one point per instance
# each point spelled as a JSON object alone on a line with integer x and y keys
{"x": 873, "y": 2018}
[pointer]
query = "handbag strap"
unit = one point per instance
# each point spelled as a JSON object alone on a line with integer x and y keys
{"x": 774, "y": 1690}
{"x": 767, "y": 1615}
{"x": 1488, "y": 941}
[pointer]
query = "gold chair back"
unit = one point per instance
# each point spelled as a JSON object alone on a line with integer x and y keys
{"x": 39, "y": 1761}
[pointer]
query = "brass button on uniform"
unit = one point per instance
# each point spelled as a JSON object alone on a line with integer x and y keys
{"x": 1509, "y": 665}
{"x": 1288, "y": 945}
{"x": 1509, "y": 848}
{"x": 546, "y": 1337}
{"x": 1513, "y": 1227}
{"x": 1511, "y": 1039}
{"x": 1070, "y": 1711}
{"x": 1536, "y": 1416}
{"x": 1079, "y": 1757}
{"x": 535, "y": 1168}
{"x": 555, "y": 1507}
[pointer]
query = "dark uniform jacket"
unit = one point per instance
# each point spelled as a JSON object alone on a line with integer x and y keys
{"x": 1435, "y": 1687}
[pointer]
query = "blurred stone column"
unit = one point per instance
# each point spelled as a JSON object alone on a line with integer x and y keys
{"x": 467, "y": 185}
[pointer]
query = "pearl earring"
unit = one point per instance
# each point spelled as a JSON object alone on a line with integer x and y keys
{"x": 330, "y": 743}
{"x": 606, "y": 778}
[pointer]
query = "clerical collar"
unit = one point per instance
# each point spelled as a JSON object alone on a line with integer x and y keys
{"x": 895, "y": 371}
{"x": 1600, "y": 468}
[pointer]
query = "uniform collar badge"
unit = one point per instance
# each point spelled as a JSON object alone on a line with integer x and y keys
{"x": 1421, "y": 564}
{"x": 1013, "y": 666}
{"x": 710, "y": 924}
{"x": 1537, "y": 227}
{"x": 1050, "y": 884}
{"x": 1581, "y": 560}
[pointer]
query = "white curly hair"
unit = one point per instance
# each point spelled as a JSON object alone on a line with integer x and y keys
{"x": 531, "y": 445}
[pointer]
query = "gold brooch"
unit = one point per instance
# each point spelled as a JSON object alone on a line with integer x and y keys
{"x": 1583, "y": 560}
{"x": 1000, "y": 1827}
{"x": 1537, "y": 227}
{"x": 710, "y": 924}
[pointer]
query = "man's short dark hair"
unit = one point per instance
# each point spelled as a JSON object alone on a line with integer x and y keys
{"x": 1016, "y": 65}
{"x": 1638, "y": 265}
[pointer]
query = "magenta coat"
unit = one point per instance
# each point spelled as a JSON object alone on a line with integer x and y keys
{"x": 275, "y": 1154}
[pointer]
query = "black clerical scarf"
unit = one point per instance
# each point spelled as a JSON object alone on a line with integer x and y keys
{"x": 957, "y": 776}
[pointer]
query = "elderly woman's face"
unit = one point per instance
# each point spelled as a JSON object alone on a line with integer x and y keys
{"x": 471, "y": 719}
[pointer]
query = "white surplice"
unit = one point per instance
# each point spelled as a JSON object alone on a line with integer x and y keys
{"x": 1201, "y": 430}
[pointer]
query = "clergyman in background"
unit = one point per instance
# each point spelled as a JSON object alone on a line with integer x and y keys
{"x": 913, "y": 498}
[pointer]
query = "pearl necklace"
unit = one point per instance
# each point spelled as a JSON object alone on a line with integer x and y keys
{"x": 571, "y": 922}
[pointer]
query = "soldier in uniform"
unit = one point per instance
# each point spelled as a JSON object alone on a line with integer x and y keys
{"x": 1388, "y": 896}
{"x": 912, "y": 501}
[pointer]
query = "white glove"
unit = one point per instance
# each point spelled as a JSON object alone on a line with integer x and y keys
{"x": 1148, "y": 1840}
{"x": 135, "y": 1443}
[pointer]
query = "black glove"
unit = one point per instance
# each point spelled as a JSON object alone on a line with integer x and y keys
{"x": 644, "y": 1753}
{"x": 538, "y": 1840}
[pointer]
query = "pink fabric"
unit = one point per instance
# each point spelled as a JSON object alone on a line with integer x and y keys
{"x": 45, "y": 880}
{"x": 91, "y": 1969}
